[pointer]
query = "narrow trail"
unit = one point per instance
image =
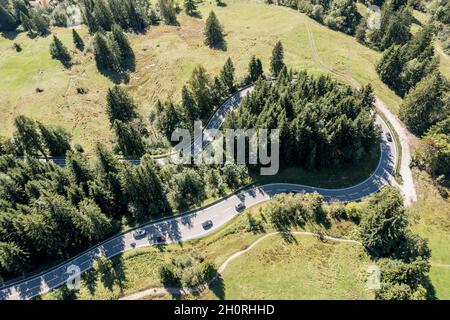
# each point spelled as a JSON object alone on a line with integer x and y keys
{"x": 407, "y": 187}
{"x": 202, "y": 287}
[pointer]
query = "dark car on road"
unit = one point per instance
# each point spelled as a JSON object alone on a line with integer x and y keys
{"x": 207, "y": 224}
{"x": 160, "y": 238}
{"x": 389, "y": 137}
{"x": 240, "y": 207}
{"x": 139, "y": 234}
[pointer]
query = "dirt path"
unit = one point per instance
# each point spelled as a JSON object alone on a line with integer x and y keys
{"x": 407, "y": 187}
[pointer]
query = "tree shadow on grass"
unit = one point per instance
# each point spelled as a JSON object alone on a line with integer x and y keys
{"x": 196, "y": 15}
{"x": 10, "y": 35}
{"x": 222, "y": 45}
{"x": 116, "y": 77}
{"x": 112, "y": 273}
{"x": 89, "y": 279}
{"x": 217, "y": 287}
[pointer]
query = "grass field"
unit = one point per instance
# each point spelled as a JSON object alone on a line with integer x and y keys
{"x": 138, "y": 269}
{"x": 432, "y": 221}
{"x": 165, "y": 58}
{"x": 306, "y": 269}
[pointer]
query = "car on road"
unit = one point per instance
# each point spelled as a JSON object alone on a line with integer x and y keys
{"x": 160, "y": 238}
{"x": 139, "y": 234}
{"x": 207, "y": 224}
{"x": 389, "y": 137}
{"x": 240, "y": 207}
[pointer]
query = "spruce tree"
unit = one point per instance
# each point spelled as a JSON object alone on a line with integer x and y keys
{"x": 77, "y": 40}
{"x": 40, "y": 24}
{"x": 120, "y": 105}
{"x": 7, "y": 21}
{"x": 19, "y": 6}
{"x": 27, "y": 25}
{"x": 227, "y": 76}
{"x": 390, "y": 66}
{"x": 276, "y": 63}
{"x": 27, "y": 136}
{"x": 56, "y": 139}
{"x": 424, "y": 105}
{"x": 200, "y": 88}
{"x": 60, "y": 52}
{"x": 189, "y": 107}
{"x": 138, "y": 14}
{"x": 106, "y": 57}
{"x": 168, "y": 12}
{"x": 213, "y": 31}
{"x": 89, "y": 19}
{"x": 255, "y": 69}
{"x": 190, "y": 7}
{"x": 127, "y": 57}
{"x": 103, "y": 15}
{"x": 128, "y": 140}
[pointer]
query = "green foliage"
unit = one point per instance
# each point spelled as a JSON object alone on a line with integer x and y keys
{"x": 255, "y": 70}
{"x": 199, "y": 84}
{"x": 425, "y": 104}
{"x": 385, "y": 232}
{"x": 384, "y": 226}
{"x": 106, "y": 55}
{"x": 394, "y": 27}
{"x": 403, "y": 281}
{"x": 12, "y": 258}
{"x": 227, "y": 76}
{"x": 190, "y": 7}
{"x": 113, "y": 51}
{"x": 40, "y": 24}
{"x": 343, "y": 16}
{"x": 402, "y": 67}
{"x": 59, "y": 51}
{"x": 27, "y": 137}
{"x": 129, "y": 140}
{"x": 27, "y": 25}
{"x": 92, "y": 223}
{"x": 168, "y": 11}
{"x": 56, "y": 140}
{"x": 127, "y": 57}
{"x": 433, "y": 152}
{"x": 144, "y": 189}
{"x": 187, "y": 271}
{"x": 340, "y": 15}
{"x": 120, "y": 106}
{"x": 168, "y": 118}
{"x": 321, "y": 122}
{"x": 276, "y": 62}
{"x": 77, "y": 40}
{"x": 189, "y": 107}
{"x": 214, "y": 37}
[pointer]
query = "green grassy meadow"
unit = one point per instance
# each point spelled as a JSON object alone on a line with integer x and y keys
{"x": 165, "y": 57}
{"x": 305, "y": 269}
{"x": 431, "y": 220}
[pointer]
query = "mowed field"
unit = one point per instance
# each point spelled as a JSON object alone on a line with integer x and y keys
{"x": 166, "y": 56}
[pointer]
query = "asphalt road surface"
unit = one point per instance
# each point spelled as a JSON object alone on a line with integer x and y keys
{"x": 189, "y": 226}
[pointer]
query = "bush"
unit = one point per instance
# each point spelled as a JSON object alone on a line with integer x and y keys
{"x": 82, "y": 90}
{"x": 17, "y": 47}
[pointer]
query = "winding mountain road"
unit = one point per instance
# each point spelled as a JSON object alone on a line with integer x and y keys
{"x": 189, "y": 226}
